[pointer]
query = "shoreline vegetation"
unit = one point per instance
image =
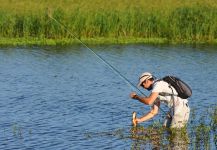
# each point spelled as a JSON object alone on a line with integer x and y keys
{"x": 27, "y": 22}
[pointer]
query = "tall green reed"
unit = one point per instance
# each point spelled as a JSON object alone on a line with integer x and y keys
{"x": 196, "y": 23}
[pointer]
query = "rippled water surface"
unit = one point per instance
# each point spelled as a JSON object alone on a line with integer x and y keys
{"x": 66, "y": 98}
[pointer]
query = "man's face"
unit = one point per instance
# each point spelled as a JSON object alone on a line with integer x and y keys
{"x": 146, "y": 84}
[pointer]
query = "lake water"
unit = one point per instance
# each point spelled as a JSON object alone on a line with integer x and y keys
{"x": 66, "y": 98}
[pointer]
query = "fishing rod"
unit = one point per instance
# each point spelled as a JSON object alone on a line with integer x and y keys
{"x": 99, "y": 57}
{"x": 103, "y": 60}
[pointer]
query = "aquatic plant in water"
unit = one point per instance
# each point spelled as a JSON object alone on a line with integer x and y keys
{"x": 195, "y": 136}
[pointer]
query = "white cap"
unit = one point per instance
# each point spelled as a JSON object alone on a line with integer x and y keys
{"x": 144, "y": 76}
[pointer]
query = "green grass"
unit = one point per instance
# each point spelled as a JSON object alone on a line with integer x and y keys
{"x": 27, "y": 22}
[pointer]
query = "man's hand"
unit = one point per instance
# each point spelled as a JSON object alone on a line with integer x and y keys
{"x": 133, "y": 95}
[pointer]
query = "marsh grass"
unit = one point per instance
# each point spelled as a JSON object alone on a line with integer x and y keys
{"x": 17, "y": 131}
{"x": 204, "y": 133}
{"x": 214, "y": 125}
{"x": 116, "y": 22}
{"x": 201, "y": 134}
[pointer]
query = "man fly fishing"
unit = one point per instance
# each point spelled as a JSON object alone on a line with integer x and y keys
{"x": 163, "y": 92}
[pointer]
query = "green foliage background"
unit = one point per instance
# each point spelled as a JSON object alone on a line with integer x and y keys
{"x": 122, "y": 21}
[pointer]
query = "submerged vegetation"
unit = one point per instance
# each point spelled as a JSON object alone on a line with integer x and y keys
{"x": 199, "y": 134}
{"x": 97, "y": 21}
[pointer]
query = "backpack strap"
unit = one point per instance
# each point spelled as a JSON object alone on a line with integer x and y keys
{"x": 170, "y": 86}
{"x": 172, "y": 109}
{"x": 173, "y": 99}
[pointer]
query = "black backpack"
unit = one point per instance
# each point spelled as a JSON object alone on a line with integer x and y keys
{"x": 183, "y": 90}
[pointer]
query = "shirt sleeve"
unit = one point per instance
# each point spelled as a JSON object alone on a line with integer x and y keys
{"x": 158, "y": 87}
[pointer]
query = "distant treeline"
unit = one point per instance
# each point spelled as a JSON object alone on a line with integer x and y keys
{"x": 172, "y": 20}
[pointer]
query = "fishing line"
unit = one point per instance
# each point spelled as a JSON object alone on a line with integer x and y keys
{"x": 99, "y": 57}
{"x": 102, "y": 59}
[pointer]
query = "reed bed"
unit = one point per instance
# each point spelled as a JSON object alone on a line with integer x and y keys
{"x": 98, "y": 21}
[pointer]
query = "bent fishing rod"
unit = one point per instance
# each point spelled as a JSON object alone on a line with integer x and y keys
{"x": 103, "y": 60}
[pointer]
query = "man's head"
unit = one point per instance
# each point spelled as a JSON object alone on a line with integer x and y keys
{"x": 146, "y": 80}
